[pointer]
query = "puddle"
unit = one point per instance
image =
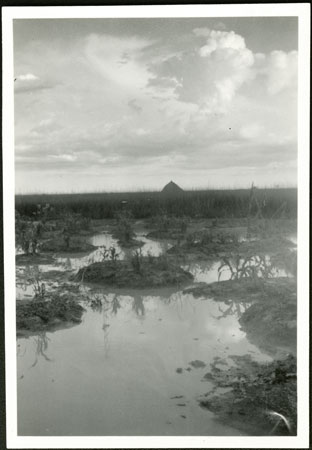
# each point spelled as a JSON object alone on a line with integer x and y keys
{"x": 24, "y": 291}
{"x": 104, "y": 239}
{"x": 25, "y": 288}
{"x": 150, "y": 246}
{"x": 209, "y": 272}
{"x": 116, "y": 373}
{"x": 155, "y": 248}
{"x": 202, "y": 271}
{"x": 125, "y": 369}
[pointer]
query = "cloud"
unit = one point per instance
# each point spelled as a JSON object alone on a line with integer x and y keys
{"x": 27, "y": 77}
{"x": 64, "y": 157}
{"x": 218, "y": 40}
{"x": 210, "y": 74}
{"x": 29, "y": 82}
{"x": 118, "y": 59}
{"x": 281, "y": 70}
{"x": 134, "y": 106}
{"x": 251, "y": 131}
{"x": 202, "y": 31}
{"x": 115, "y": 103}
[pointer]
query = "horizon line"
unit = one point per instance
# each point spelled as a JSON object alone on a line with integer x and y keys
{"x": 154, "y": 191}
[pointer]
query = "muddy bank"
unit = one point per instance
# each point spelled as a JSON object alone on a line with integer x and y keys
{"x": 36, "y": 259}
{"x": 75, "y": 245}
{"x": 272, "y": 324}
{"x": 166, "y": 235}
{"x": 210, "y": 247}
{"x": 276, "y": 226}
{"x": 245, "y": 289}
{"x": 270, "y": 321}
{"x": 44, "y": 314}
{"x": 127, "y": 243}
{"x": 257, "y": 391}
{"x": 137, "y": 273}
{"x": 262, "y": 397}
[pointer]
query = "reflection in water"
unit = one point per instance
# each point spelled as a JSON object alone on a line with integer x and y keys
{"x": 206, "y": 272}
{"x": 19, "y": 352}
{"x": 41, "y": 344}
{"x": 235, "y": 308}
{"x": 105, "y": 328}
{"x": 236, "y": 267}
{"x": 123, "y": 357}
{"x": 115, "y": 304}
{"x": 154, "y": 248}
{"x": 138, "y": 306}
{"x": 66, "y": 263}
{"x": 248, "y": 267}
{"x": 106, "y": 241}
{"x": 180, "y": 302}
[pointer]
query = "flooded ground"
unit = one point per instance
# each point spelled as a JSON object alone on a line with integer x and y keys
{"x": 208, "y": 272}
{"x": 127, "y": 371}
{"x": 127, "y": 368}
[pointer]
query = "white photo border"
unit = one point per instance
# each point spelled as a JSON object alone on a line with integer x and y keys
{"x": 302, "y": 11}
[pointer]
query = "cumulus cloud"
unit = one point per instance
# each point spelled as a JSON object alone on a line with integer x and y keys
{"x": 281, "y": 70}
{"x": 234, "y": 60}
{"x": 218, "y": 40}
{"x": 114, "y": 102}
{"x": 210, "y": 74}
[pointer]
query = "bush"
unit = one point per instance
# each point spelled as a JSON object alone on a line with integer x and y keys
{"x": 125, "y": 231}
{"x": 137, "y": 260}
{"x": 27, "y": 234}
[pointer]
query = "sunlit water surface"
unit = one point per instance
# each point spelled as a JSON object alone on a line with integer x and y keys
{"x": 115, "y": 373}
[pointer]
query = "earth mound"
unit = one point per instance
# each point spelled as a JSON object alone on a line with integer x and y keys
{"x": 257, "y": 392}
{"x": 44, "y": 314}
{"x": 137, "y": 273}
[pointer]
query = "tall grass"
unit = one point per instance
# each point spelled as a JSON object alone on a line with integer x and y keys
{"x": 205, "y": 204}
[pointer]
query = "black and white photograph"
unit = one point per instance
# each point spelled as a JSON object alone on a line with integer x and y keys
{"x": 156, "y": 214}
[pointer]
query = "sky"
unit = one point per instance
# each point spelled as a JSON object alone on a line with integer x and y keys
{"x": 130, "y": 104}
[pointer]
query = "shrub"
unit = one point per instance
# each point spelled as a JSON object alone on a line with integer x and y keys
{"x": 28, "y": 234}
{"x": 124, "y": 226}
{"x": 137, "y": 260}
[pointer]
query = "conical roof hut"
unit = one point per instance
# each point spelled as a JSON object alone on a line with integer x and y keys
{"x": 172, "y": 189}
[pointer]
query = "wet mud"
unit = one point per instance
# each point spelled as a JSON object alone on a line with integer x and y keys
{"x": 248, "y": 322}
{"x": 262, "y": 398}
{"x": 149, "y": 272}
{"x": 44, "y": 314}
{"x": 211, "y": 247}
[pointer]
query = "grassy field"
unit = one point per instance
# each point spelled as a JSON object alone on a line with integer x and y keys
{"x": 205, "y": 204}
